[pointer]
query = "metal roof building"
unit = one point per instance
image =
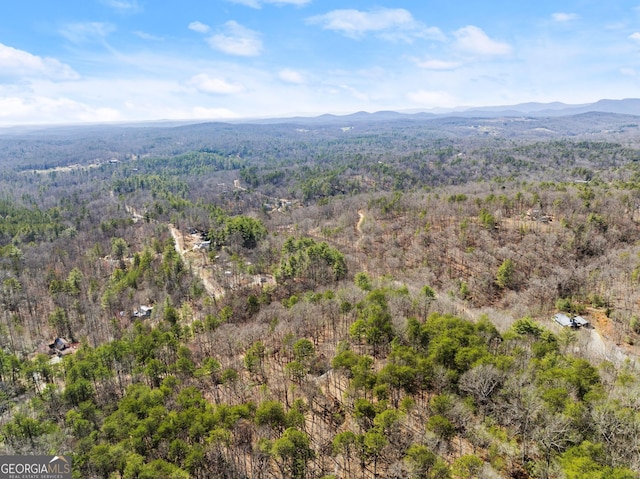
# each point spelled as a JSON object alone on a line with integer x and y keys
{"x": 566, "y": 321}
{"x": 562, "y": 319}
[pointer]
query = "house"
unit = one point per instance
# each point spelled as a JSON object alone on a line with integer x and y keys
{"x": 143, "y": 311}
{"x": 203, "y": 245}
{"x": 573, "y": 322}
{"x": 61, "y": 347}
{"x": 59, "y": 344}
{"x": 581, "y": 322}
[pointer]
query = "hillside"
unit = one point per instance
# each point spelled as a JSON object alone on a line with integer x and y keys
{"x": 331, "y": 299}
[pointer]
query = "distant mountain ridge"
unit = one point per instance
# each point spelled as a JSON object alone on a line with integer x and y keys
{"x": 623, "y": 107}
{"x": 627, "y": 106}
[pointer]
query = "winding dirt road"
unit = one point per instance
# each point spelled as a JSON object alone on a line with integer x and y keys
{"x": 198, "y": 263}
{"x": 360, "y": 221}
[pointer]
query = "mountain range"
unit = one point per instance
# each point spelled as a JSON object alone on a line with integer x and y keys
{"x": 627, "y": 106}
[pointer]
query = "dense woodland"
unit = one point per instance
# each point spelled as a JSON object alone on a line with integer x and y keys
{"x": 337, "y": 298}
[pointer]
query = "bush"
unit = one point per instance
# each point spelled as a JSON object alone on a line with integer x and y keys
{"x": 568, "y": 306}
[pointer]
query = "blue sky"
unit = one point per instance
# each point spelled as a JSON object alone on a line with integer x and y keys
{"x": 121, "y": 60}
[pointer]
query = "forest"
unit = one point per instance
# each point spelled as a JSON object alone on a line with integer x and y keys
{"x": 329, "y": 298}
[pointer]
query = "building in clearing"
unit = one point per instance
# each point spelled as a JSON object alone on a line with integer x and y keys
{"x": 570, "y": 322}
{"x": 61, "y": 347}
{"x": 143, "y": 311}
{"x": 203, "y": 245}
{"x": 581, "y": 322}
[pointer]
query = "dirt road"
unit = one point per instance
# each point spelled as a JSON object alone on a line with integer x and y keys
{"x": 197, "y": 262}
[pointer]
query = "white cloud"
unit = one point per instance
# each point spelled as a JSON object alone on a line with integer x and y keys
{"x": 147, "y": 36}
{"x": 235, "y": 39}
{"x": 564, "y": 17}
{"x": 391, "y": 23}
{"x": 18, "y": 63}
{"x": 437, "y": 64}
{"x": 247, "y": 3}
{"x": 259, "y": 3}
{"x": 291, "y": 76}
{"x": 474, "y": 40}
{"x": 409, "y": 34}
{"x": 123, "y": 5}
{"x": 432, "y": 99}
{"x": 199, "y": 27}
{"x": 87, "y": 32}
{"x": 356, "y": 23}
{"x": 38, "y": 109}
{"x": 207, "y": 84}
{"x": 635, "y": 37}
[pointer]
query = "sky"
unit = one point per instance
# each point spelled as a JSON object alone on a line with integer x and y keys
{"x": 80, "y": 61}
